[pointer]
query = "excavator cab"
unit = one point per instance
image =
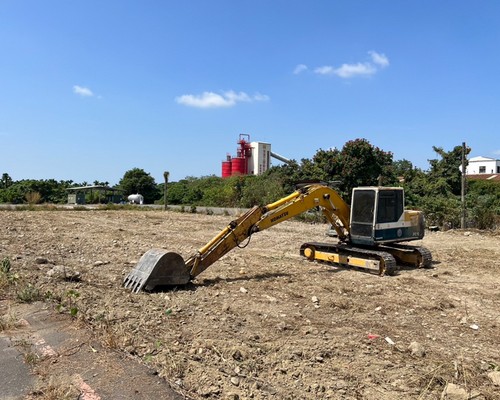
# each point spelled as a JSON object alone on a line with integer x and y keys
{"x": 378, "y": 216}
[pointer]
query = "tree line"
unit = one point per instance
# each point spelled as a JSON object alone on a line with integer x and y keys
{"x": 436, "y": 191}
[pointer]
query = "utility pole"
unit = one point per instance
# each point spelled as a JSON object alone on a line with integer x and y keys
{"x": 462, "y": 219}
{"x": 165, "y": 176}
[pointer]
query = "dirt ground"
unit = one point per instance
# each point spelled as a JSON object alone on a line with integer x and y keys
{"x": 262, "y": 322}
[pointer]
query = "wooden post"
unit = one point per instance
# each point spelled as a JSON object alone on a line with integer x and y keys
{"x": 462, "y": 219}
{"x": 165, "y": 176}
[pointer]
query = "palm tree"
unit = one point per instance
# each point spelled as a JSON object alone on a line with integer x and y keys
{"x": 6, "y": 181}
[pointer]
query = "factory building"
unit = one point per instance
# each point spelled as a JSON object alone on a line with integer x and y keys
{"x": 252, "y": 158}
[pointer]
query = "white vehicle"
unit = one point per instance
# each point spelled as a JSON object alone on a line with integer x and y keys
{"x": 136, "y": 199}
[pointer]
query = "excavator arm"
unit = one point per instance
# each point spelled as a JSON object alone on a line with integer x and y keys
{"x": 258, "y": 219}
{"x": 158, "y": 267}
{"x": 230, "y": 237}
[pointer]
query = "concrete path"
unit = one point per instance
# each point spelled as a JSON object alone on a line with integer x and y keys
{"x": 42, "y": 351}
{"x": 16, "y": 380}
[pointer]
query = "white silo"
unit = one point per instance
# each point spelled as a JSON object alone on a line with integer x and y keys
{"x": 260, "y": 160}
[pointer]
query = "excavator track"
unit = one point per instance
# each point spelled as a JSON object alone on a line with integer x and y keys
{"x": 382, "y": 262}
{"x": 416, "y": 256}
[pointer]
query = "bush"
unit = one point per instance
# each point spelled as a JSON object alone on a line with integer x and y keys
{"x": 484, "y": 214}
{"x": 29, "y": 294}
{"x": 33, "y": 197}
{"x": 5, "y": 265}
{"x": 442, "y": 211}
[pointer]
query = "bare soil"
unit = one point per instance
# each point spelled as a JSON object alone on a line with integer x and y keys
{"x": 263, "y": 322}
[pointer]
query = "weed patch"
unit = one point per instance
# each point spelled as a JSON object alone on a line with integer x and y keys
{"x": 29, "y": 294}
{"x": 57, "y": 388}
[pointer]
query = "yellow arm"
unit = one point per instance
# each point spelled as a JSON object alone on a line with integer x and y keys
{"x": 257, "y": 219}
{"x": 331, "y": 204}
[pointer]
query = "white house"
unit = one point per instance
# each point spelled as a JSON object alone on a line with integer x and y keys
{"x": 482, "y": 165}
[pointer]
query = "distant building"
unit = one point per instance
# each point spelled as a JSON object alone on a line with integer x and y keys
{"x": 252, "y": 158}
{"x": 97, "y": 193}
{"x": 483, "y": 168}
{"x": 482, "y": 165}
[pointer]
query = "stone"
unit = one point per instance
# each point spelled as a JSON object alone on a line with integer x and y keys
{"x": 235, "y": 380}
{"x": 495, "y": 377}
{"x": 209, "y": 391}
{"x": 416, "y": 349}
{"x": 454, "y": 392}
{"x": 63, "y": 273}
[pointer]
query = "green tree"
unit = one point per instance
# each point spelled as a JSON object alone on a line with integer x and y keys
{"x": 227, "y": 193}
{"x": 327, "y": 163}
{"x": 262, "y": 190}
{"x": 99, "y": 183}
{"x": 176, "y": 192}
{"x": 286, "y": 175}
{"x": 404, "y": 169}
{"x": 50, "y": 191}
{"x": 359, "y": 163}
{"x": 137, "y": 180}
{"x": 437, "y": 192}
{"x": 6, "y": 181}
{"x": 415, "y": 184}
{"x": 483, "y": 204}
{"x": 14, "y": 194}
{"x": 447, "y": 168}
{"x": 442, "y": 211}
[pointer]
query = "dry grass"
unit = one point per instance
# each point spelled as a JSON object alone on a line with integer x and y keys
{"x": 55, "y": 388}
{"x": 8, "y": 321}
{"x": 33, "y": 197}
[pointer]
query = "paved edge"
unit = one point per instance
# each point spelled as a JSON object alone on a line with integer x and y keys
{"x": 42, "y": 347}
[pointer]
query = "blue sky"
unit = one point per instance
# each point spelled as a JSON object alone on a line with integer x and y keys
{"x": 90, "y": 89}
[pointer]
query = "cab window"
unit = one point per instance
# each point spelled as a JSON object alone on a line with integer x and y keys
{"x": 390, "y": 206}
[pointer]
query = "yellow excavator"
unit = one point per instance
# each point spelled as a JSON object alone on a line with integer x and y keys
{"x": 369, "y": 233}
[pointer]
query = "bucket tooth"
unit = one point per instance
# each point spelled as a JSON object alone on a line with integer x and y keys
{"x": 132, "y": 282}
{"x": 157, "y": 267}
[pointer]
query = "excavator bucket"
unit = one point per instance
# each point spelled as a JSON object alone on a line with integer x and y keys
{"x": 157, "y": 267}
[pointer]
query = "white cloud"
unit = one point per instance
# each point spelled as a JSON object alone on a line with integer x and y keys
{"x": 347, "y": 70}
{"x": 261, "y": 97}
{"x": 234, "y": 97}
{"x": 350, "y": 70}
{"x": 379, "y": 59}
{"x": 300, "y": 68}
{"x": 82, "y": 91}
{"x": 368, "y": 68}
{"x": 497, "y": 152}
{"x": 215, "y": 100}
{"x": 325, "y": 70}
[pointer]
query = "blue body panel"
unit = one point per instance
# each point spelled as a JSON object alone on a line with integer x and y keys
{"x": 398, "y": 234}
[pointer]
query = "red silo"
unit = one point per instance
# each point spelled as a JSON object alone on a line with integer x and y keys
{"x": 239, "y": 166}
{"x": 227, "y": 168}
